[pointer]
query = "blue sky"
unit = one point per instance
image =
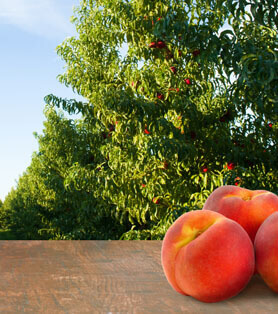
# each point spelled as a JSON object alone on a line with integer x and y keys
{"x": 30, "y": 31}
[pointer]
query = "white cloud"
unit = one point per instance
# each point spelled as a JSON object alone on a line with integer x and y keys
{"x": 47, "y": 18}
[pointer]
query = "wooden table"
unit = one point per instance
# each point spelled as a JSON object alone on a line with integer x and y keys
{"x": 105, "y": 277}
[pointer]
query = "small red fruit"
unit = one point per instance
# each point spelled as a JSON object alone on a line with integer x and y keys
{"x": 161, "y": 44}
{"x": 160, "y": 96}
{"x": 236, "y": 143}
{"x": 230, "y": 165}
{"x": 143, "y": 185}
{"x": 205, "y": 169}
{"x": 104, "y": 135}
{"x": 187, "y": 81}
{"x": 153, "y": 44}
{"x": 237, "y": 180}
{"x": 136, "y": 85}
{"x": 270, "y": 125}
{"x": 156, "y": 200}
{"x": 146, "y": 131}
{"x": 174, "y": 89}
{"x": 111, "y": 127}
{"x": 174, "y": 70}
{"x": 196, "y": 52}
{"x": 169, "y": 55}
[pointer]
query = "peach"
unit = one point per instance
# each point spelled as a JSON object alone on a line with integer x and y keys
{"x": 207, "y": 256}
{"x": 266, "y": 251}
{"x": 246, "y": 207}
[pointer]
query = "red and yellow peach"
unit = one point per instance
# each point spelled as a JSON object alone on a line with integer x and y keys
{"x": 266, "y": 251}
{"x": 246, "y": 207}
{"x": 207, "y": 256}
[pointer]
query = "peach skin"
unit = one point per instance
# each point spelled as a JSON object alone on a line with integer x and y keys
{"x": 207, "y": 256}
{"x": 266, "y": 251}
{"x": 246, "y": 207}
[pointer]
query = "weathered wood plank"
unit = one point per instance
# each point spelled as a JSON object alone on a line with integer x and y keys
{"x": 104, "y": 277}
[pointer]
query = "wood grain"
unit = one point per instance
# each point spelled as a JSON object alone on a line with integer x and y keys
{"x": 105, "y": 277}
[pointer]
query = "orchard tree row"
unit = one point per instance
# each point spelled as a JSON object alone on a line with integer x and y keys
{"x": 190, "y": 106}
{"x": 47, "y": 204}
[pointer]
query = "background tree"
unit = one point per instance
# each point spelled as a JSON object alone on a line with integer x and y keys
{"x": 187, "y": 108}
{"x": 47, "y": 204}
{"x": 1, "y": 205}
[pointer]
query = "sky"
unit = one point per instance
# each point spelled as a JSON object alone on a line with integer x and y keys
{"x": 30, "y": 31}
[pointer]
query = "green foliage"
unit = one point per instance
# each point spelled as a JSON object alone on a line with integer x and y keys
{"x": 47, "y": 203}
{"x": 188, "y": 108}
{"x": 8, "y": 235}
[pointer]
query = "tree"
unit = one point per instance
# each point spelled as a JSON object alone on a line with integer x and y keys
{"x": 1, "y": 205}
{"x": 168, "y": 122}
{"x": 47, "y": 204}
{"x": 177, "y": 115}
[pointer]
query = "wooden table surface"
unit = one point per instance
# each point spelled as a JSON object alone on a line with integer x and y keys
{"x": 105, "y": 277}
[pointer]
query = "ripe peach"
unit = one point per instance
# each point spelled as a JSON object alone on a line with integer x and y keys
{"x": 160, "y": 96}
{"x": 266, "y": 251}
{"x": 161, "y": 44}
{"x": 187, "y": 81}
{"x": 196, "y": 52}
{"x": 207, "y": 256}
{"x": 248, "y": 208}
